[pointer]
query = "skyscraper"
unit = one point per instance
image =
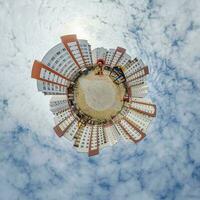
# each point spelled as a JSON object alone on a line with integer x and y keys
{"x": 97, "y": 95}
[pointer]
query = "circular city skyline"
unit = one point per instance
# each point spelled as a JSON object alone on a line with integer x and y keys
{"x": 97, "y": 95}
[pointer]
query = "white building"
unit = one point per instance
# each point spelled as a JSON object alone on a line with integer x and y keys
{"x": 86, "y": 52}
{"x": 124, "y": 60}
{"x": 58, "y": 103}
{"x": 98, "y": 53}
{"x": 139, "y": 90}
{"x": 109, "y": 56}
{"x": 72, "y": 45}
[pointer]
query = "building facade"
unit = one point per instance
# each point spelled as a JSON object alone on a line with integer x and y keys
{"x": 56, "y": 75}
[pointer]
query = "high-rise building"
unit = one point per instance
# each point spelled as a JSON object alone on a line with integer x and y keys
{"x": 91, "y": 109}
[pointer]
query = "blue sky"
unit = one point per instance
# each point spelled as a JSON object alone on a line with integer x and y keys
{"x": 37, "y": 165}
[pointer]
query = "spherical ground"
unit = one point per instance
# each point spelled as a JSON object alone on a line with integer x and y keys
{"x": 97, "y": 95}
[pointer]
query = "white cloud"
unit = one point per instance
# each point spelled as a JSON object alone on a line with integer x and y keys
{"x": 35, "y": 164}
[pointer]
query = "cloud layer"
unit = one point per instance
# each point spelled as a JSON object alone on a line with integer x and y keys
{"x": 35, "y": 164}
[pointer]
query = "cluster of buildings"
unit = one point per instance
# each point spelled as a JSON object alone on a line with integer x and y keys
{"x": 57, "y": 74}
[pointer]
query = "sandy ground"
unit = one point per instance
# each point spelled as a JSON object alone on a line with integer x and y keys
{"x": 98, "y": 96}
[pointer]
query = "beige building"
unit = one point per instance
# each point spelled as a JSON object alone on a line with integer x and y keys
{"x": 58, "y": 74}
